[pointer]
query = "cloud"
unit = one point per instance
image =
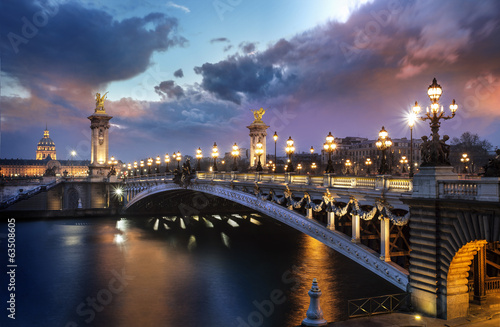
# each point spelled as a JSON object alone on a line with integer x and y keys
{"x": 174, "y": 5}
{"x": 247, "y": 47}
{"x": 179, "y": 73}
{"x": 88, "y": 43}
{"x": 219, "y": 39}
{"x": 169, "y": 89}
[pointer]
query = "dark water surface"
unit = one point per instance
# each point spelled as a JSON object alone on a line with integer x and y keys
{"x": 228, "y": 270}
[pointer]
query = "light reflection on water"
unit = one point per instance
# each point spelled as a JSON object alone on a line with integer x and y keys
{"x": 208, "y": 271}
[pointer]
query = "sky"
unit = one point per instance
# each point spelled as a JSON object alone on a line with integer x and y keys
{"x": 184, "y": 74}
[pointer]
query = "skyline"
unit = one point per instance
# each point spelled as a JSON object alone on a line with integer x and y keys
{"x": 183, "y": 75}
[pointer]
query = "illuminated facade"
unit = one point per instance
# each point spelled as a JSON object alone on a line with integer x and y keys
{"x": 44, "y": 164}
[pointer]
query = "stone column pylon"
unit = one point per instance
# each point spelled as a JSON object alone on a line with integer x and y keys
{"x": 99, "y": 124}
{"x": 258, "y": 132}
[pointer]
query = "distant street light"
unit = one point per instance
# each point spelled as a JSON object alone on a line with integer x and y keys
{"x": 178, "y": 157}
{"x": 73, "y": 155}
{"x": 112, "y": 162}
{"x": 150, "y": 163}
{"x": 465, "y": 159}
{"x": 348, "y": 165}
{"x": 158, "y": 162}
{"x": 167, "y": 161}
{"x": 275, "y": 138}
{"x": 135, "y": 168}
{"x": 404, "y": 162}
{"x": 199, "y": 155}
{"x": 368, "y": 163}
{"x": 411, "y": 123}
{"x": 142, "y": 167}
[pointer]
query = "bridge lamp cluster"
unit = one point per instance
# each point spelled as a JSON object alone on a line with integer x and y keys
{"x": 215, "y": 155}
{"x": 290, "y": 149}
{"x": 383, "y": 143}
{"x": 465, "y": 160}
{"x": 404, "y": 162}
{"x": 329, "y": 146}
{"x": 235, "y": 153}
{"x": 259, "y": 150}
{"x": 167, "y": 162}
{"x": 178, "y": 157}
{"x": 348, "y": 165}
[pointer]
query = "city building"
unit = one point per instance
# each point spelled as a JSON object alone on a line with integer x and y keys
{"x": 45, "y": 163}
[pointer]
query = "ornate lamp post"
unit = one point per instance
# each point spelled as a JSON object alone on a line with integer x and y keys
{"x": 167, "y": 161}
{"x": 135, "y": 168}
{"x": 215, "y": 154}
{"x": 259, "y": 151}
{"x": 404, "y": 162}
{"x": 275, "y": 138}
{"x": 290, "y": 149}
{"x": 313, "y": 167}
{"x": 411, "y": 123}
{"x": 235, "y": 153}
{"x": 383, "y": 143}
{"x": 113, "y": 163}
{"x": 348, "y": 165}
{"x": 368, "y": 163}
{"x": 465, "y": 159}
{"x": 329, "y": 147}
{"x": 178, "y": 157}
{"x": 199, "y": 155}
{"x": 142, "y": 167}
{"x": 150, "y": 163}
{"x": 158, "y": 162}
{"x": 299, "y": 168}
{"x": 435, "y": 152}
{"x": 129, "y": 169}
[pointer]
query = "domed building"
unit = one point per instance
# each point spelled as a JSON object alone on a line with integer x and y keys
{"x": 45, "y": 163}
{"x": 46, "y": 147}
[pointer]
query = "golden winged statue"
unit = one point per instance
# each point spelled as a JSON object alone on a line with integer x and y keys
{"x": 99, "y": 101}
{"x": 258, "y": 115}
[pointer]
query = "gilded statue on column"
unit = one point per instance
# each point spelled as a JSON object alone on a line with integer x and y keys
{"x": 258, "y": 115}
{"x": 99, "y": 101}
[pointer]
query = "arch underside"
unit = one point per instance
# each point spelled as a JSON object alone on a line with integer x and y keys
{"x": 334, "y": 239}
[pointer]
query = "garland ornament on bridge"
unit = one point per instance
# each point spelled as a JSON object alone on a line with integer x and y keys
{"x": 435, "y": 152}
{"x": 328, "y": 204}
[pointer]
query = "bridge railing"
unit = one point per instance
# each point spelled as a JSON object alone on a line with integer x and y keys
{"x": 385, "y": 183}
{"x": 485, "y": 189}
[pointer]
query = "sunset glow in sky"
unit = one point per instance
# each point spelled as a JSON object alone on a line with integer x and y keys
{"x": 184, "y": 74}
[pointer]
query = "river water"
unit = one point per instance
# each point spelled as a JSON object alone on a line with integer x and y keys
{"x": 217, "y": 270}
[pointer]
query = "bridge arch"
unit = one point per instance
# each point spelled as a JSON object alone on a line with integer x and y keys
{"x": 340, "y": 242}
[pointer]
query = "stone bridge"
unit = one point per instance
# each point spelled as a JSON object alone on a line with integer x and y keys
{"x": 425, "y": 235}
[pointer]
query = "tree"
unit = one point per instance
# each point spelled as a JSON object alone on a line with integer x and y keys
{"x": 476, "y": 149}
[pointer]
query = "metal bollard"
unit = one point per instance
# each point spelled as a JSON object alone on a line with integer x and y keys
{"x": 314, "y": 313}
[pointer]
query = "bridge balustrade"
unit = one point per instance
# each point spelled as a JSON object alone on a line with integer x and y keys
{"x": 486, "y": 189}
{"x": 386, "y": 183}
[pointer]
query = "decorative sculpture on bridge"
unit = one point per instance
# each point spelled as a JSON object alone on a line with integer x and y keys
{"x": 184, "y": 176}
{"x": 258, "y": 115}
{"x": 435, "y": 151}
{"x": 99, "y": 101}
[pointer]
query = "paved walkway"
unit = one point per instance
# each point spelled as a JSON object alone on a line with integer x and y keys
{"x": 486, "y": 315}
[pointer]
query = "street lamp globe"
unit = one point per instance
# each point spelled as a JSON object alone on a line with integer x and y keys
{"x": 167, "y": 161}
